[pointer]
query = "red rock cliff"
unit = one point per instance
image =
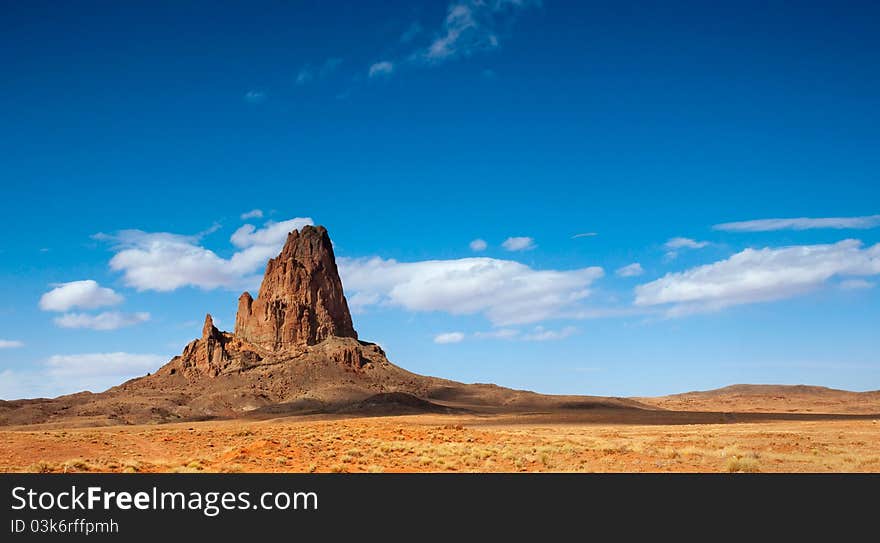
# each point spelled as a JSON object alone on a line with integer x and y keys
{"x": 300, "y": 301}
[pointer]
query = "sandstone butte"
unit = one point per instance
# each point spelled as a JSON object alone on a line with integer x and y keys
{"x": 293, "y": 351}
{"x": 300, "y": 304}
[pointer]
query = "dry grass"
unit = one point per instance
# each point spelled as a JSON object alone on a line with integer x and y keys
{"x": 436, "y": 443}
{"x": 745, "y": 464}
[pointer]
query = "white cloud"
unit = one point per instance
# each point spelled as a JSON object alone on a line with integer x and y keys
{"x": 255, "y": 97}
{"x": 272, "y": 233}
{"x": 538, "y": 333}
{"x": 10, "y": 344}
{"x": 632, "y": 270}
{"x": 87, "y": 294}
{"x": 674, "y": 244}
{"x": 118, "y": 364}
{"x": 108, "y": 320}
{"x": 449, "y": 337}
{"x": 506, "y": 292}
{"x": 756, "y": 275}
{"x": 252, "y": 214}
{"x": 164, "y": 262}
{"x": 501, "y": 333}
{"x": 685, "y": 243}
{"x": 15, "y": 385}
{"x": 584, "y": 235}
{"x": 381, "y": 68}
{"x": 478, "y": 245}
{"x": 459, "y": 34}
{"x": 468, "y": 27}
{"x": 542, "y": 334}
{"x": 801, "y": 223}
{"x": 609, "y": 312}
{"x": 856, "y": 284}
{"x": 519, "y": 244}
{"x": 65, "y": 374}
{"x": 471, "y": 26}
{"x": 360, "y": 301}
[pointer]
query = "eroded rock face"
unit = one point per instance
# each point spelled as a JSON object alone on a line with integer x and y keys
{"x": 300, "y": 302}
{"x": 214, "y": 353}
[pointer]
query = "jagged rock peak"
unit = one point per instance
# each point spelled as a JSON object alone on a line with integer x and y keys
{"x": 301, "y": 301}
{"x": 209, "y": 331}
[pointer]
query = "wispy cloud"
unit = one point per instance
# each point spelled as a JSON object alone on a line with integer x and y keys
{"x": 521, "y": 243}
{"x": 856, "y": 284}
{"x": 255, "y": 97}
{"x": 685, "y": 243}
{"x": 10, "y": 344}
{"x": 108, "y": 320}
{"x": 68, "y": 373}
{"x": 608, "y": 312}
{"x": 538, "y": 333}
{"x": 471, "y": 26}
{"x": 584, "y": 235}
{"x": 542, "y": 334}
{"x": 358, "y": 302}
{"x": 307, "y": 74}
{"x": 449, "y": 337}
{"x": 100, "y": 364}
{"x": 801, "y": 223}
{"x": 252, "y": 214}
{"x": 384, "y": 68}
{"x": 758, "y": 275}
{"x": 501, "y": 333}
{"x": 478, "y": 245}
{"x": 632, "y": 270}
{"x": 674, "y": 245}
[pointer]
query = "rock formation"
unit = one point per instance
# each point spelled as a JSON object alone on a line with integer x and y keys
{"x": 294, "y": 351}
{"x": 300, "y": 302}
{"x": 214, "y": 353}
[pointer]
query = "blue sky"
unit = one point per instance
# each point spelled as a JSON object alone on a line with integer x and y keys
{"x": 135, "y": 136}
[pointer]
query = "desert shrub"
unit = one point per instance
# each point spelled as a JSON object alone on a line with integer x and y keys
{"x": 76, "y": 464}
{"x": 742, "y": 464}
{"x": 40, "y": 467}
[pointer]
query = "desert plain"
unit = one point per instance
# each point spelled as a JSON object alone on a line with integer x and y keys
{"x": 737, "y": 429}
{"x": 293, "y": 388}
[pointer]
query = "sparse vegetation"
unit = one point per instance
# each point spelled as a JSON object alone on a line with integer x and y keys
{"x": 736, "y": 464}
{"x": 420, "y": 444}
{"x": 39, "y": 467}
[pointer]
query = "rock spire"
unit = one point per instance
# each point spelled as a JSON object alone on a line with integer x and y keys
{"x": 300, "y": 302}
